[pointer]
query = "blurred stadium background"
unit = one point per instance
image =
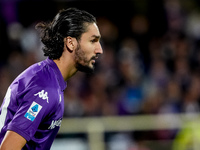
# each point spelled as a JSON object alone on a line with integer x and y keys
{"x": 145, "y": 92}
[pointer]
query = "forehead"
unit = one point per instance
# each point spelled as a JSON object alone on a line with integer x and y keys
{"x": 92, "y": 31}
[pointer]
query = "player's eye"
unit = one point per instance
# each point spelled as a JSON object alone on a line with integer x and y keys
{"x": 94, "y": 40}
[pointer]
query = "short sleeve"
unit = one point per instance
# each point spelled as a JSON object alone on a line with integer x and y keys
{"x": 34, "y": 106}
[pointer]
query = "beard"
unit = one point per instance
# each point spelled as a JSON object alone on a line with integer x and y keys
{"x": 82, "y": 62}
{"x": 85, "y": 69}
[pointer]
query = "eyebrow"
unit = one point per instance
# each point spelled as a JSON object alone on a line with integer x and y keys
{"x": 96, "y": 36}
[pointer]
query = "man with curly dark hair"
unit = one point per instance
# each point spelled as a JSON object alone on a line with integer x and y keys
{"x": 32, "y": 110}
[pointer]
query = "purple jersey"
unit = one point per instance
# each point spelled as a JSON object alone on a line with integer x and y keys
{"x": 34, "y": 104}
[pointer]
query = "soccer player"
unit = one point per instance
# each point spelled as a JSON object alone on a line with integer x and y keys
{"x": 33, "y": 107}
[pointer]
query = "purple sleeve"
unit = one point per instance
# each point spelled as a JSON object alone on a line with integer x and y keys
{"x": 34, "y": 105}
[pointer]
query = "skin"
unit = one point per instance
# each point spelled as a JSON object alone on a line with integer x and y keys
{"x": 83, "y": 52}
{"x": 12, "y": 141}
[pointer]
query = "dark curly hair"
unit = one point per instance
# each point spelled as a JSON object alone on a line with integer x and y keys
{"x": 68, "y": 22}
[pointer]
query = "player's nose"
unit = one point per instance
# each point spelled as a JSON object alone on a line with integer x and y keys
{"x": 99, "y": 49}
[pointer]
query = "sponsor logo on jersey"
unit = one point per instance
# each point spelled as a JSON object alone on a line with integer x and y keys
{"x": 33, "y": 111}
{"x": 55, "y": 123}
{"x": 43, "y": 95}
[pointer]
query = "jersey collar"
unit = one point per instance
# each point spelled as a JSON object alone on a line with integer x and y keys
{"x": 61, "y": 81}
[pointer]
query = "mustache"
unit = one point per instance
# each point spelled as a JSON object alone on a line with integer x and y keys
{"x": 95, "y": 57}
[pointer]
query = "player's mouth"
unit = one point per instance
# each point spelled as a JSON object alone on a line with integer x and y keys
{"x": 93, "y": 59}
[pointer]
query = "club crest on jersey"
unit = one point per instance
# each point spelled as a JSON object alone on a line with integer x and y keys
{"x": 33, "y": 111}
{"x": 43, "y": 95}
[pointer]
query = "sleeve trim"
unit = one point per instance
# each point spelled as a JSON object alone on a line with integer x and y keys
{"x": 15, "y": 129}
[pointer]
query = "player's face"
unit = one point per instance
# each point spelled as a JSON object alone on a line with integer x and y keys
{"x": 88, "y": 49}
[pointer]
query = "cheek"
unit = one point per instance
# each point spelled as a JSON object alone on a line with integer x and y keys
{"x": 88, "y": 50}
{"x": 81, "y": 57}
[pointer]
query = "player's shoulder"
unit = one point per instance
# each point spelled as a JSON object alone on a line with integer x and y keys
{"x": 37, "y": 75}
{"x": 37, "y": 81}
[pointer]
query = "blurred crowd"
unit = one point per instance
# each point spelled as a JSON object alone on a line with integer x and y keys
{"x": 145, "y": 69}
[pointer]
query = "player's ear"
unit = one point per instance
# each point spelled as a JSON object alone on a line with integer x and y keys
{"x": 70, "y": 43}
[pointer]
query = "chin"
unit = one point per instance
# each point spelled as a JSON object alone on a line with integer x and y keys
{"x": 86, "y": 69}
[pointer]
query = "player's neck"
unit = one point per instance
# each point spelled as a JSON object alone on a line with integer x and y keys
{"x": 66, "y": 67}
